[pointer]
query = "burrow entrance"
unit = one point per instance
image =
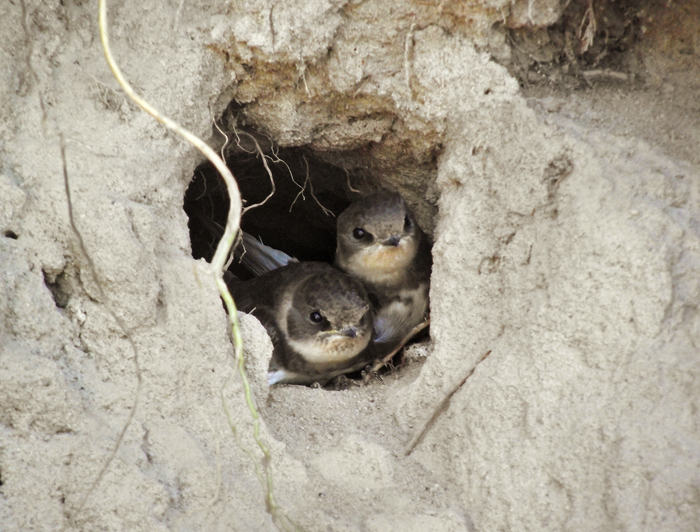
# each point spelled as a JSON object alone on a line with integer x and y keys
{"x": 292, "y": 196}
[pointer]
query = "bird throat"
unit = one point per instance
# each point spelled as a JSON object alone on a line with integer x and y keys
{"x": 381, "y": 264}
{"x": 328, "y": 350}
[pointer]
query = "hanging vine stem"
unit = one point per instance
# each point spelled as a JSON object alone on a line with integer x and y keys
{"x": 216, "y": 268}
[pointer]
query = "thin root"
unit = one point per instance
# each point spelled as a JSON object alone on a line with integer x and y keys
{"x": 347, "y": 174}
{"x": 588, "y": 34}
{"x": 269, "y": 173}
{"x": 441, "y": 407}
{"x": 311, "y": 191}
{"x": 216, "y": 269}
{"x": 122, "y": 326}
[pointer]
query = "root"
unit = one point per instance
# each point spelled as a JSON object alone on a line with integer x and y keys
{"x": 407, "y": 48}
{"x": 108, "y": 96}
{"x": 604, "y": 73}
{"x": 28, "y": 59}
{"x": 215, "y": 269}
{"x": 267, "y": 169}
{"x": 586, "y": 36}
{"x": 275, "y": 159}
{"x": 311, "y": 191}
{"x": 440, "y": 408}
{"x": 122, "y": 326}
{"x": 229, "y": 260}
{"x": 347, "y": 174}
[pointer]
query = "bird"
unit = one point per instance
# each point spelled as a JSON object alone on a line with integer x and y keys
{"x": 380, "y": 243}
{"x": 319, "y": 319}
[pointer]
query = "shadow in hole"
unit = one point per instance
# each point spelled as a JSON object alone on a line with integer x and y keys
{"x": 290, "y": 220}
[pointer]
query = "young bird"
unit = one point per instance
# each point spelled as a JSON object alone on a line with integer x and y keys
{"x": 380, "y": 243}
{"x": 319, "y": 320}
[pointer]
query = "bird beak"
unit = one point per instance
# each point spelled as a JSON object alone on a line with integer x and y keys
{"x": 350, "y": 332}
{"x": 393, "y": 241}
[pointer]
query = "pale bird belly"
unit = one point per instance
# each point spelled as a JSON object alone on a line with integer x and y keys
{"x": 395, "y": 319}
{"x": 412, "y": 306}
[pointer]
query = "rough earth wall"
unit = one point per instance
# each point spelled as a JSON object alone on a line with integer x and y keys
{"x": 570, "y": 255}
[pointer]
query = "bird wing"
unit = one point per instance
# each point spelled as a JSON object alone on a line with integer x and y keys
{"x": 259, "y": 258}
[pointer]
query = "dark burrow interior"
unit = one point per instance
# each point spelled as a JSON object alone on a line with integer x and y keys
{"x": 291, "y": 199}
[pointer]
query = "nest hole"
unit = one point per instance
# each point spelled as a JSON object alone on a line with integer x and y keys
{"x": 59, "y": 288}
{"x": 291, "y": 198}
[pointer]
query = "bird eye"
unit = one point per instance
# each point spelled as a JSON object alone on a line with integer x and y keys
{"x": 407, "y": 223}
{"x": 316, "y": 317}
{"x": 358, "y": 233}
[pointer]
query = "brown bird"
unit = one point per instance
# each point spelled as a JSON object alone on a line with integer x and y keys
{"x": 380, "y": 243}
{"x": 319, "y": 320}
